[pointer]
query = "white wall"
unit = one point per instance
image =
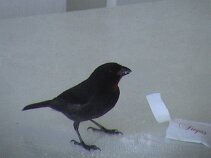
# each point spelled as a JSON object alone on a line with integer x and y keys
{"x": 16, "y": 8}
{"x": 88, "y": 4}
{"x": 85, "y": 4}
{"x": 123, "y": 2}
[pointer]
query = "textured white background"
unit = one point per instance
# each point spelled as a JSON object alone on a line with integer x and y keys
{"x": 166, "y": 44}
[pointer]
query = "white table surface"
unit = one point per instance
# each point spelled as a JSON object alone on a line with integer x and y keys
{"x": 167, "y": 44}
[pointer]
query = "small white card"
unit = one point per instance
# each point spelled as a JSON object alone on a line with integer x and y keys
{"x": 179, "y": 129}
{"x": 158, "y": 107}
{"x": 189, "y": 131}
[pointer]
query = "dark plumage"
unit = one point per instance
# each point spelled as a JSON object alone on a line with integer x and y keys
{"x": 90, "y": 99}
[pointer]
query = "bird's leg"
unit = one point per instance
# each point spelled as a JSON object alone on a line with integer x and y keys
{"x": 103, "y": 129}
{"x": 81, "y": 143}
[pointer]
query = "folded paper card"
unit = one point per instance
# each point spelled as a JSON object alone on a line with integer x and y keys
{"x": 189, "y": 131}
{"x": 158, "y": 107}
{"x": 179, "y": 129}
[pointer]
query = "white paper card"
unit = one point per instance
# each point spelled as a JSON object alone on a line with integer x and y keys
{"x": 189, "y": 131}
{"x": 158, "y": 107}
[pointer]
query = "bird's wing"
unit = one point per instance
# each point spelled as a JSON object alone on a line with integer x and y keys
{"x": 75, "y": 98}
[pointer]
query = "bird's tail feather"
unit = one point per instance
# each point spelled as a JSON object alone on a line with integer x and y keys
{"x": 37, "y": 105}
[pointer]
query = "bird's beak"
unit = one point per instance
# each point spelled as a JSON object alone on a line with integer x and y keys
{"x": 124, "y": 71}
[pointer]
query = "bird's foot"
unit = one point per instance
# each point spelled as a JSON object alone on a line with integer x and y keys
{"x": 85, "y": 146}
{"x": 108, "y": 131}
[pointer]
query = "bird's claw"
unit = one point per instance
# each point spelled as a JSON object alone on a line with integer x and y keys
{"x": 94, "y": 129}
{"x": 108, "y": 131}
{"x": 85, "y": 146}
{"x": 114, "y": 131}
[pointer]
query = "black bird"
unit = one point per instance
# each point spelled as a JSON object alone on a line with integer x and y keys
{"x": 90, "y": 99}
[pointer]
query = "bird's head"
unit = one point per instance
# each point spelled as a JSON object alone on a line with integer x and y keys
{"x": 109, "y": 74}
